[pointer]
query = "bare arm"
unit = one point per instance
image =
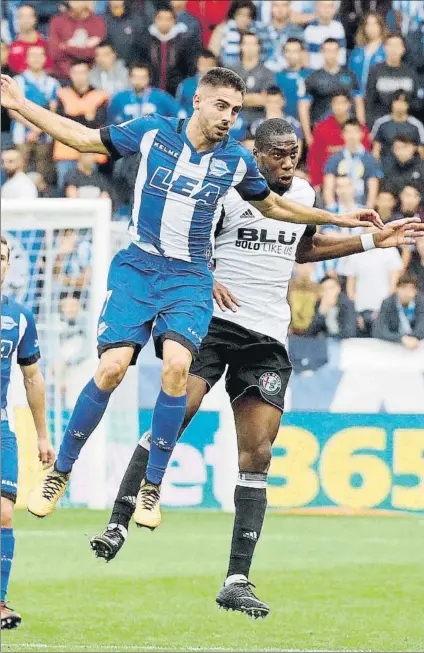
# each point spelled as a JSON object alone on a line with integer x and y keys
{"x": 304, "y": 108}
{"x": 351, "y": 287}
{"x": 254, "y": 99}
{"x": 329, "y": 189}
{"x": 35, "y": 392}
{"x": 71, "y": 191}
{"x": 376, "y": 150}
{"x": 360, "y": 109}
{"x": 372, "y": 187}
{"x": 63, "y": 129}
{"x": 280, "y": 208}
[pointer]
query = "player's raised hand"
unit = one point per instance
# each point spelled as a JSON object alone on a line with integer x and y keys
{"x": 359, "y": 218}
{"x": 399, "y": 232}
{"x": 224, "y": 298}
{"x": 46, "y": 453}
{"x": 11, "y": 94}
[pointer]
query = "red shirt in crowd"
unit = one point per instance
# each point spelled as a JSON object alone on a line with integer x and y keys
{"x": 209, "y": 13}
{"x": 327, "y": 140}
{"x": 18, "y": 52}
{"x": 71, "y": 37}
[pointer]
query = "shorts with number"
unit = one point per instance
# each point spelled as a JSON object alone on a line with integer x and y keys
{"x": 153, "y": 295}
{"x": 9, "y": 463}
{"x": 257, "y": 363}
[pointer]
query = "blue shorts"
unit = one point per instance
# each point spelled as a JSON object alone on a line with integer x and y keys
{"x": 9, "y": 463}
{"x": 149, "y": 294}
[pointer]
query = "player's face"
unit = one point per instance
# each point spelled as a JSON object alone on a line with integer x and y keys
{"x": 279, "y": 161}
{"x": 217, "y": 110}
{"x": 4, "y": 261}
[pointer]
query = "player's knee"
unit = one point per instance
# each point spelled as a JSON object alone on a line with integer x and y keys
{"x": 256, "y": 459}
{"x": 6, "y": 513}
{"x": 110, "y": 374}
{"x": 175, "y": 372}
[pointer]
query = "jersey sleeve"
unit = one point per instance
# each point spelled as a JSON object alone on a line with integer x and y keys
{"x": 124, "y": 139}
{"x": 253, "y": 186}
{"x": 28, "y": 348}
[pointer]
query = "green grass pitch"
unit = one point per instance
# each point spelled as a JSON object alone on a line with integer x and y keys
{"x": 333, "y": 583}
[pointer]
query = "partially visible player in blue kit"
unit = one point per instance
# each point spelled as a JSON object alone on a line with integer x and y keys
{"x": 19, "y": 344}
{"x": 162, "y": 285}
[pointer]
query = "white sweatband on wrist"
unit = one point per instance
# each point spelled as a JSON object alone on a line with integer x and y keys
{"x": 367, "y": 241}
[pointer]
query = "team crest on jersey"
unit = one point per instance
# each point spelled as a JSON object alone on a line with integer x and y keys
{"x": 270, "y": 383}
{"x": 218, "y": 168}
{"x": 8, "y": 323}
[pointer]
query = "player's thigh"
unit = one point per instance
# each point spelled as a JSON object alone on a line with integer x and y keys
{"x": 9, "y": 464}
{"x": 7, "y": 508}
{"x": 257, "y": 424}
{"x": 210, "y": 363}
{"x": 196, "y": 390}
{"x": 130, "y": 307}
{"x": 176, "y": 359}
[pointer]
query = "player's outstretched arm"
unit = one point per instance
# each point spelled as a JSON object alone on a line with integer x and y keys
{"x": 35, "y": 392}
{"x": 322, "y": 247}
{"x": 280, "y": 208}
{"x": 62, "y": 129}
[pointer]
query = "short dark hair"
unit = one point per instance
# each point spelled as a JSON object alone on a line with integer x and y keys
{"x": 223, "y": 77}
{"x": 352, "y": 121}
{"x": 269, "y": 128}
{"x": 242, "y": 4}
{"x": 78, "y": 62}
{"x": 394, "y": 35}
{"x": 342, "y": 92}
{"x": 397, "y": 95}
{"x": 141, "y": 64}
{"x": 405, "y": 138}
{"x": 106, "y": 44}
{"x": 385, "y": 189}
{"x": 328, "y": 278}
{"x": 275, "y": 90}
{"x": 206, "y": 54}
{"x": 406, "y": 280}
{"x": 168, "y": 10}
{"x": 293, "y": 39}
{"x": 243, "y": 36}
{"x": 330, "y": 40}
{"x": 414, "y": 186}
{"x": 4, "y": 242}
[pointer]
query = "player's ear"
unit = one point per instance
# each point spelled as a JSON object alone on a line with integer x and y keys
{"x": 255, "y": 152}
{"x": 196, "y": 101}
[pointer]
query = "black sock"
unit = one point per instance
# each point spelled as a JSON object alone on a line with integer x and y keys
{"x": 250, "y": 503}
{"x": 124, "y": 505}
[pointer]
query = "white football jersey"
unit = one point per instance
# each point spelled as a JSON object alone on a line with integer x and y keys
{"x": 255, "y": 258}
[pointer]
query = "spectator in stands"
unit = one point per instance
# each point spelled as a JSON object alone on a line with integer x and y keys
{"x": 397, "y": 122}
{"x": 355, "y": 161}
{"x": 371, "y": 277}
{"x": 125, "y": 26}
{"x": 353, "y": 14}
{"x": 302, "y": 297}
{"x": 187, "y": 88}
{"x": 384, "y": 79}
{"x": 401, "y": 317}
{"x": 405, "y": 165}
{"x": 304, "y": 12}
{"x": 410, "y": 206}
{"x": 274, "y": 108}
{"x": 109, "y": 74}
{"x": 210, "y": 13}
{"x": 71, "y": 330}
{"x": 322, "y": 85}
{"x": 83, "y": 103}
{"x": 72, "y": 263}
{"x": 141, "y": 99}
{"x": 321, "y": 29}
{"x": 179, "y": 7}
{"x": 281, "y": 29}
{"x": 85, "y": 180}
{"x": 408, "y": 15}
{"x": 385, "y": 203}
{"x": 415, "y": 58}
{"x": 27, "y": 37}
{"x": 6, "y": 122}
{"x": 226, "y": 38}
{"x": 258, "y": 79}
{"x": 17, "y": 185}
{"x": 369, "y": 47}
{"x": 41, "y": 88}
{"x": 170, "y": 51}
{"x": 328, "y": 137}
{"x": 74, "y": 34}
{"x": 291, "y": 79}
{"x": 334, "y": 312}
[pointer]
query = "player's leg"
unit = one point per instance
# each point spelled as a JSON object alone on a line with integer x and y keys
{"x": 124, "y": 327}
{"x": 9, "y": 479}
{"x": 257, "y": 425}
{"x": 109, "y": 543}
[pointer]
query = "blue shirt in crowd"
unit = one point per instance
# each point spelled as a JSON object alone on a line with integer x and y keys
{"x": 127, "y": 105}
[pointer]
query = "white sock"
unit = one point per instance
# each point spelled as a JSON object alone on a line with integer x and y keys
{"x": 122, "y": 529}
{"x": 235, "y": 578}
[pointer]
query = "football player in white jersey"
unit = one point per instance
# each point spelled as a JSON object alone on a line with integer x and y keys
{"x": 254, "y": 259}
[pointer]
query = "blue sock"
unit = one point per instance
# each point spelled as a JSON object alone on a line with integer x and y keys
{"x": 167, "y": 420}
{"x": 7, "y": 551}
{"x": 87, "y": 413}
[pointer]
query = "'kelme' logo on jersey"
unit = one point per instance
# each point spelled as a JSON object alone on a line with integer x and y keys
{"x": 218, "y": 168}
{"x": 8, "y": 323}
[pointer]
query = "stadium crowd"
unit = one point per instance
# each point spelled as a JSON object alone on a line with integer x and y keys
{"x": 348, "y": 75}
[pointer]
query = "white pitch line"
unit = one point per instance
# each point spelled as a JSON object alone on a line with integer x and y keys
{"x": 147, "y": 649}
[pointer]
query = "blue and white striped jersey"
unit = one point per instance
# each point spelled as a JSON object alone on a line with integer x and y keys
{"x": 177, "y": 189}
{"x": 19, "y": 342}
